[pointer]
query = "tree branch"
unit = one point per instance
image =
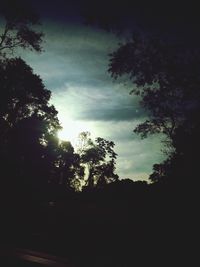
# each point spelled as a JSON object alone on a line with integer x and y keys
{"x": 3, "y": 36}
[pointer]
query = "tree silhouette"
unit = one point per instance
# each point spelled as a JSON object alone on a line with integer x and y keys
{"x": 30, "y": 152}
{"x": 23, "y": 93}
{"x": 165, "y": 75}
{"x": 27, "y": 124}
{"x": 68, "y": 164}
{"x": 18, "y": 30}
{"x": 98, "y": 157}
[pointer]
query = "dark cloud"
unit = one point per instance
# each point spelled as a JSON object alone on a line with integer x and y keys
{"x": 59, "y": 10}
{"x": 112, "y": 114}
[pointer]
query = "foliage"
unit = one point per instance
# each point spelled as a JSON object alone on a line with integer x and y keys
{"x": 160, "y": 71}
{"x": 166, "y": 76}
{"x": 30, "y": 150}
{"x": 23, "y": 93}
{"x": 98, "y": 157}
{"x": 18, "y": 30}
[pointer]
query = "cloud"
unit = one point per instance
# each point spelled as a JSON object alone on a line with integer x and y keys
{"x": 74, "y": 67}
{"x": 111, "y": 114}
{"x": 136, "y": 157}
{"x": 98, "y": 104}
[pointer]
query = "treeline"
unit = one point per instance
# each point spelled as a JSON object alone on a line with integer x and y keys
{"x": 33, "y": 160}
{"x": 165, "y": 74}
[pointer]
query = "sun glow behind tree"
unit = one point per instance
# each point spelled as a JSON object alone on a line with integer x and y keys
{"x": 71, "y": 129}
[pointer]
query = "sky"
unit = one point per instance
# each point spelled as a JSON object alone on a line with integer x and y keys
{"x": 74, "y": 67}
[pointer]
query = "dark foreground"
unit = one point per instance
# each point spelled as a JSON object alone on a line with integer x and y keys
{"x": 128, "y": 228}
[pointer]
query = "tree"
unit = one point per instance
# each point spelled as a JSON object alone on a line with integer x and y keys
{"x": 157, "y": 69}
{"x": 165, "y": 75}
{"x": 68, "y": 163}
{"x": 27, "y": 124}
{"x": 18, "y": 30}
{"x": 98, "y": 157}
{"x": 163, "y": 63}
{"x": 30, "y": 152}
{"x": 29, "y": 146}
{"x": 23, "y": 93}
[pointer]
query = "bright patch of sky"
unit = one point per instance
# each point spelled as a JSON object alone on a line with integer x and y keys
{"x": 74, "y": 67}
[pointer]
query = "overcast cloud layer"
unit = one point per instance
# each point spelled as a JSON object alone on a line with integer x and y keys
{"x": 74, "y": 67}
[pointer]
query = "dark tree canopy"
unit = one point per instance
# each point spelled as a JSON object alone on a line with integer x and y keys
{"x": 166, "y": 76}
{"x": 18, "y": 30}
{"x": 176, "y": 19}
{"x": 162, "y": 60}
{"x": 27, "y": 122}
{"x": 23, "y": 92}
